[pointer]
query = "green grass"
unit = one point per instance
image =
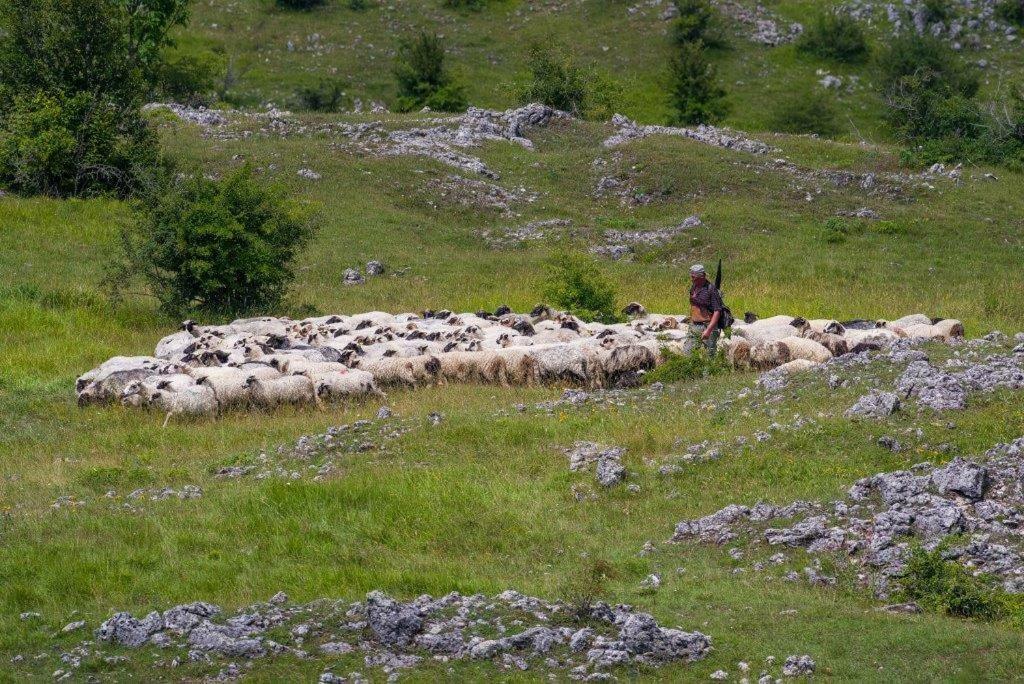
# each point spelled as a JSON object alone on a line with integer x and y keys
{"x": 482, "y": 502}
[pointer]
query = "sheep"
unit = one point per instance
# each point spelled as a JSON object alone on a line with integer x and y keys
{"x": 907, "y": 321}
{"x": 770, "y": 329}
{"x": 737, "y": 352}
{"x": 232, "y": 390}
{"x": 219, "y": 372}
{"x": 352, "y": 383}
{"x": 195, "y": 401}
{"x": 513, "y": 366}
{"x": 301, "y": 366}
{"x": 943, "y": 330}
{"x": 768, "y": 355}
{"x": 176, "y": 345}
{"x": 139, "y": 393}
{"x": 106, "y": 383}
{"x": 288, "y": 389}
{"x": 462, "y": 366}
{"x": 825, "y": 325}
{"x": 408, "y": 371}
{"x": 835, "y": 343}
{"x": 949, "y": 328}
{"x": 804, "y": 348}
{"x": 627, "y": 361}
{"x": 864, "y": 340}
{"x": 562, "y": 362}
{"x": 798, "y": 366}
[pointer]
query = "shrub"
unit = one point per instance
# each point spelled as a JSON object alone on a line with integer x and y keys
{"x": 358, "y": 5}
{"x": 422, "y": 76}
{"x": 695, "y": 94}
{"x": 1011, "y": 11}
{"x": 557, "y": 80}
{"x": 304, "y": 5}
{"x": 74, "y": 74}
{"x": 472, "y": 5}
{"x": 73, "y": 145}
{"x": 575, "y": 283}
{"x": 810, "y": 112}
{"x": 836, "y": 230}
{"x": 697, "y": 364}
{"x": 931, "y": 61}
{"x": 189, "y": 78}
{"x": 947, "y": 587}
{"x": 217, "y": 246}
{"x": 834, "y": 35}
{"x": 936, "y": 11}
{"x": 697, "y": 20}
{"x": 327, "y": 95}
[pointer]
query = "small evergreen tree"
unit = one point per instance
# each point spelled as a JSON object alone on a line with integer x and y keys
{"x": 423, "y": 78}
{"x": 697, "y": 20}
{"x": 695, "y": 94}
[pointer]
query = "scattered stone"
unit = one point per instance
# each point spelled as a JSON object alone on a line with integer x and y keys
{"x": 798, "y": 666}
{"x": 875, "y": 404}
{"x": 352, "y": 277}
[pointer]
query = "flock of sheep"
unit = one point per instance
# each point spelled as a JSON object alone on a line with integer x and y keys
{"x": 263, "y": 363}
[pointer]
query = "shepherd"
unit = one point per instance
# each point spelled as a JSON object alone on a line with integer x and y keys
{"x": 706, "y": 309}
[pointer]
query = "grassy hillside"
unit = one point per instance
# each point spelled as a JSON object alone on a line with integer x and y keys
{"x": 274, "y": 52}
{"x": 484, "y": 501}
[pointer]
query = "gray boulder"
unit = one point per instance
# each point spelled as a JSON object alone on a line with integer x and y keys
{"x": 394, "y": 623}
{"x": 126, "y": 630}
{"x": 875, "y": 404}
{"x": 961, "y": 477}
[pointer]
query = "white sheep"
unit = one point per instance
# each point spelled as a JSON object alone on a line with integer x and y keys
{"x": 804, "y": 348}
{"x": 194, "y": 401}
{"x": 285, "y": 390}
{"x": 350, "y": 384}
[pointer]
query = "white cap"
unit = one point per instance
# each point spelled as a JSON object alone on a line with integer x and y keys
{"x": 697, "y": 269}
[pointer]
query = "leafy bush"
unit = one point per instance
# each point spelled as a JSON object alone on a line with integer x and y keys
{"x": 1011, "y": 11}
{"x": 223, "y": 246}
{"x": 695, "y": 94}
{"x": 303, "y": 5}
{"x": 73, "y": 145}
{"x": 836, "y": 230}
{"x": 807, "y": 112}
{"x": 557, "y": 80}
{"x": 423, "y": 78}
{"x": 930, "y": 96}
{"x": 575, "y": 283}
{"x": 465, "y": 4}
{"x": 328, "y": 95}
{"x": 677, "y": 367}
{"x": 358, "y": 5}
{"x": 931, "y": 61}
{"x": 937, "y": 11}
{"x": 947, "y": 587}
{"x": 697, "y": 20}
{"x": 834, "y": 35}
{"x": 189, "y": 78}
{"x": 73, "y": 74}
